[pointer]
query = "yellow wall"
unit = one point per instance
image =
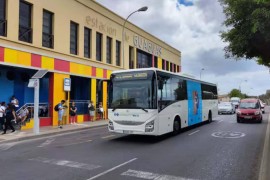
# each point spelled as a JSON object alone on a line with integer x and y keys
{"x": 104, "y": 100}
{"x": 94, "y": 92}
{"x": 58, "y": 94}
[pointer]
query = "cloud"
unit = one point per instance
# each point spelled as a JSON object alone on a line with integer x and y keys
{"x": 195, "y": 31}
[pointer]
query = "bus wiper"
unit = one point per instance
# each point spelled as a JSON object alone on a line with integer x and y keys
{"x": 143, "y": 109}
{"x": 114, "y": 109}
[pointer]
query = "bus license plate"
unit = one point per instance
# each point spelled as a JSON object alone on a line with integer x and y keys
{"x": 247, "y": 117}
{"x": 127, "y": 132}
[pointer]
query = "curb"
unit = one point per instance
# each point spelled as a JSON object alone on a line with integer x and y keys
{"x": 264, "y": 173}
{"x": 41, "y": 136}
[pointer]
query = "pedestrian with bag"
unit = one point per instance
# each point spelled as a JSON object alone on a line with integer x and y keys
{"x": 72, "y": 112}
{"x": 60, "y": 109}
{"x": 10, "y": 115}
{"x": 91, "y": 109}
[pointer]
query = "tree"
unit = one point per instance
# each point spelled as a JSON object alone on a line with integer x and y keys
{"x": 235, "y": 93}
{"x": 247, "y": 34}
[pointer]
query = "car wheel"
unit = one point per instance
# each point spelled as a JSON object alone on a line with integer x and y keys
{"x": 238, "y": 120}
{"x": 263, "y": 112}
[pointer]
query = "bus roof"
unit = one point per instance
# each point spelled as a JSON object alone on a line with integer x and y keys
{"x": 167, "y": 72}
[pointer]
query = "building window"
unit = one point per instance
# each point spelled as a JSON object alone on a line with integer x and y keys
{"x": 87, "y": 42}
{"x": 163, "y": 64}
{"x": 99, "y": 46}
{"x": 174, "y": 68}
{"x": 131, "y": 57}
{"x": 47, "y": 31}
{"x": 3, "y": 21}
{"x": 156, "y": 62}
{"x": 167, "y": 65}
{"x": 109, "y": 50}
{"x": 144, "y": 60}
{"x": 25, "y": 22}
{"x": 73, "y": 38}
{"x": 171, "y": 67}
{"x": 118, "y": 53}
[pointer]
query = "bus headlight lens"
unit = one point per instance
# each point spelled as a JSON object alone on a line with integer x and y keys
{"x": 110, "y": 125}
{"x": 149, "y": 127}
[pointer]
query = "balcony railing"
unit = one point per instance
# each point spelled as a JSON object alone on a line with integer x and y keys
{"x": 25, "y": 34}
{"x": 47, "y": 40}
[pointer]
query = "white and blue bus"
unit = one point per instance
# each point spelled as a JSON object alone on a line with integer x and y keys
{"x": 150, "y": 101}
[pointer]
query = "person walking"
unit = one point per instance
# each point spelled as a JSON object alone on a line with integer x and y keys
{"x": 72, "y": 112}
{"x": 2, "y": 115}
{"x": 10, "y": 115}
{"x": 91, "y": 109}
{"x": 61, "y": 113}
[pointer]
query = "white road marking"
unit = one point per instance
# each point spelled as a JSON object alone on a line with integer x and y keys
{"x": 112, "y": 169}
{"x": 149, "y": 175}
{"x": 66, "y": 163}
{"x": 228, "y": 134}
{"x": 220, "y": 121}
{"x": 193, "y": 132}
{"x": 7, "y": 146}
{"x": 76, "y": 143}
{"x": 47, "y": 142}
{"x": 105, "y": 137}
{"x": 265, "y": 159}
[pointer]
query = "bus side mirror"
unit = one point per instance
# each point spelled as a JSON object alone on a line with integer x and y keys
{"x": 100, "y": 84}
{"x": 160, "y": 84}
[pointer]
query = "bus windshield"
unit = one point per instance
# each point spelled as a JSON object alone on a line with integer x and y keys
{"x": 134, "y": 90}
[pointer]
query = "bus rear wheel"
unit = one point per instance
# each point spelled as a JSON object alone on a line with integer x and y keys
{"x": 176, "y": 127}
{"x": 210, "y": 117}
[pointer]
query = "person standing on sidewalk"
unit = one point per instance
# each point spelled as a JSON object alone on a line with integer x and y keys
{"x": 72, "y": 112}
{"x": 61, "y": 113}
{"x": 91, "y": 109}
{"x": 10, "y": 115}
{"x": 2, "y": 115}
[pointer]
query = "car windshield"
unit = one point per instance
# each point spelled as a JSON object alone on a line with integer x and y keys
{"x": 249, "y": 105}
{"x": 225, "y": 104}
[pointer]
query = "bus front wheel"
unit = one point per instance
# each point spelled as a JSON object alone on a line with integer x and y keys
{"x": 176, "y": 127}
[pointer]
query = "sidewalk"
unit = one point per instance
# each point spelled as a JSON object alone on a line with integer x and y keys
{"x": 48, "y": 131}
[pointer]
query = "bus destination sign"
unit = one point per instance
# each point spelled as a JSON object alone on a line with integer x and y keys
{"x": 131, "y": 76}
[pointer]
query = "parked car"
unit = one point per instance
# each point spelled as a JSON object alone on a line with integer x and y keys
{"x": 226, "y": 108}
{"x": 248, "y": 110}
{"x": 262, "y": 106}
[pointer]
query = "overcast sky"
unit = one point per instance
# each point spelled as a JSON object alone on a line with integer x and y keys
{"x": 192, "y": 27}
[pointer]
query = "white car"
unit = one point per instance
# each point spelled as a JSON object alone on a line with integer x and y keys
{"x": 262, "y": 106}
{"x": 226, "y": 108}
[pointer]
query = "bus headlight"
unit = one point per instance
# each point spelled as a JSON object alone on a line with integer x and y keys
{"x": 149, "y": 127}
{"x": 110, "y": 125}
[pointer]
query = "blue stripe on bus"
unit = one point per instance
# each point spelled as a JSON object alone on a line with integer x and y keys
{"x": 194, "y": 103}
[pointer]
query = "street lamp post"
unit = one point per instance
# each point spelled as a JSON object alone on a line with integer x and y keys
{"x": 241, "y": 83}
{"x": 123, "y": 32}
{"x": 201, "y": 73}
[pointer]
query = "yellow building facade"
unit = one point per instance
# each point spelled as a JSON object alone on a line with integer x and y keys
{"x": 76, "y": 39}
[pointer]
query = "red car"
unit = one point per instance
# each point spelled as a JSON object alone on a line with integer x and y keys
{"x": 249, "y": 109}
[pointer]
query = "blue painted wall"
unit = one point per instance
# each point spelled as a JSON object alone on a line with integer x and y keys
{"x": 194, "y": 103}
{"x": 19, "y": 88}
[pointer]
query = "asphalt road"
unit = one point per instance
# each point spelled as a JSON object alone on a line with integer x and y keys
{"x": 220, "y": 150}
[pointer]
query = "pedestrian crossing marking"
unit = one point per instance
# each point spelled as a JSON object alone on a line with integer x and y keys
{"x": 66, "y": 163}
{"x": 149, "y": 175}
